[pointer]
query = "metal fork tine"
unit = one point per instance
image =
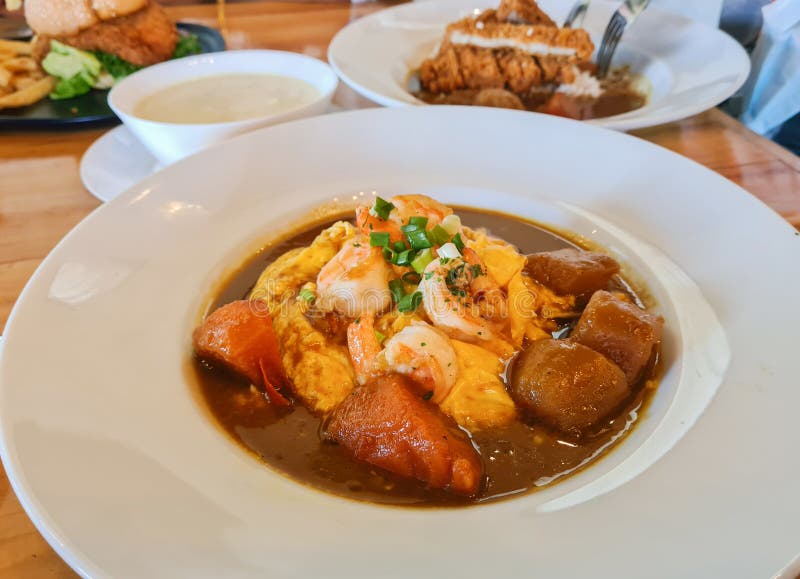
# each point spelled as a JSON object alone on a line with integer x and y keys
{"x": 609, "y": 43}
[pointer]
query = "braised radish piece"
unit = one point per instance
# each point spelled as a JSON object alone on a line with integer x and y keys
{"x": 571, "y": 271}
{"x": 567, "y": 385}
{"x": 620, "y": 330}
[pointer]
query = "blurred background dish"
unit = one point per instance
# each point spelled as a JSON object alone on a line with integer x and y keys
{"x": 690, "y": 67}
{"x": 92, "y": 108}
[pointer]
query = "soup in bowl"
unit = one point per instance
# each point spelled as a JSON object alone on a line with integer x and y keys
{"x": 180, "y": 107}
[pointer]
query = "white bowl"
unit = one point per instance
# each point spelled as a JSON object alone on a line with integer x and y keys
{"x": 172, "y": 141}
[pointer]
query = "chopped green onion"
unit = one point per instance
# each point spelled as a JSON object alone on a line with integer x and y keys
{"x": 449, "y": 251}
{"x": 419, "y": 221}
{"x": 380, "y": 337}
{"x": 398, "y": 289}
{"x": 417, "y": 238}
{"x": 411, "y": 278}
{"x": 399, "y": 246}
{"x": 382, "y": 208}
{"x": 438, "y": 235}
{"x": 410, "y": 302}
{"x": 452, "y": 224}
{"x": 404, "y": 257}
{"x": 422, "y": 260}
{"x": 458, "y": 242}
{"x": 428, "y": 395}
{"x": 307, "y": 295}
{"x": 389, "y": 255}
{"x": 379, "y": 239}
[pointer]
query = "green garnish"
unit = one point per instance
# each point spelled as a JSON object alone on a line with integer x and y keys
{"x": 389, "y": 255}
{"x": 419, "y": 221}
{"x": 428, "y": 395}
{"x": 411, "y": 278}
{"x": 458, "y": 242}
{"x": 410, "y": 302}
{"x": 417, "y": 238}
{"x": 398, "y": 290}
{"x": 404, "y": 257}
{"x": 382, "y": 208}
{"x": 380, "y": 337}
{"x": 307, "y": 295}
{"x": 422, "y": 260}
{"x": 438, "y": 235}
{"x": 399, "y": 246}
{"x": 379, "y": 239}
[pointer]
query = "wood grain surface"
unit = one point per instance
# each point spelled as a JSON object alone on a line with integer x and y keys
{"x": 41, "y": 196}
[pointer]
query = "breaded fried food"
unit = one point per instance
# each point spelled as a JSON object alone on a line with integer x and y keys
{"x": 137, "y": 31}
{"x": 523, "y": 12}
{"x": 442, "y": 73}
{"x": 143, "y": 38}
{"x": 479, "y": 67}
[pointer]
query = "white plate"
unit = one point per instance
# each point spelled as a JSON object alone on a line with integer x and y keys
{"x": 119, "y": 465}
{"x": 114, "y": 163}
{"x": 690, "y": 66}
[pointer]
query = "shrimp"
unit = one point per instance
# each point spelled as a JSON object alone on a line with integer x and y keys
{"x": 418, "y": 351}
{"x": 462, "y": 299}
{"x": 355, "y": 282}
{"x": 405, "y": 207}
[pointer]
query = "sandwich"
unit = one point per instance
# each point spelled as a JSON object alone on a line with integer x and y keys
{"x": 89, "y": 44}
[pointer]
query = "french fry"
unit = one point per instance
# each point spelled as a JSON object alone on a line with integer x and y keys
{"x": 16, "y": 46}
{"x": 20, "y": 64}
{"x": 28, "y": 95}
{"x": 5, "y": 76}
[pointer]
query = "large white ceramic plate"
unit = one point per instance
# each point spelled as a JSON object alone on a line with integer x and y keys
{"x": 120, "y": 467}
{"x": 691, "y": 67}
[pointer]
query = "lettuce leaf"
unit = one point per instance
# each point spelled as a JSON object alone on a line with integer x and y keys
{"x": 187, "y": 45}
{"x": 114, "y": 65}
{"x": 68, "y": 88}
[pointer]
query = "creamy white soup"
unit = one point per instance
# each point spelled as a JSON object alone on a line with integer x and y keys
{"x": 226, "y": 98}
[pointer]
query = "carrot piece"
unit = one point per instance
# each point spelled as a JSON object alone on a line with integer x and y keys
{"x": 273, "y": 394}
{"x": 240, "y": 336}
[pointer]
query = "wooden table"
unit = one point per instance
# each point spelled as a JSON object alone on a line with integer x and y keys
{"x": 41, "y": 196}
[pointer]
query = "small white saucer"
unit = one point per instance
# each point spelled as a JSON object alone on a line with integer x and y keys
{"x": 114, "y": 163}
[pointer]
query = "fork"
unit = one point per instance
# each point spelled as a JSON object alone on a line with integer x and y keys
{"x": 622, "y": 18}
{"x": 577, "y": 14}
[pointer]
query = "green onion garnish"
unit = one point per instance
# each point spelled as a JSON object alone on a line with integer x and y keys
{"x": 458, "y": 242}
{"x": 398, "y": 289}
{"x": 404, "y": 257}
{"x": 399, "y": 246}
{"x": 380, "y": 337}
{"x": 382, "y": 208}
{"x": 411, "y": 278}
{"x": 410, "y": 302}
{"x": 307, "y": 295}
{"x": 438, "y": 235}
{"x": 417, "y": 238}
{"x": 379, "y": 239}
{"x": 419, "y": 221}
{"x": 422, "y": 260}
{"x": 389, "y": 255}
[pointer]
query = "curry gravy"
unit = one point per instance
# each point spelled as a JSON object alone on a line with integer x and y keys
{"x": 517, "y": 458}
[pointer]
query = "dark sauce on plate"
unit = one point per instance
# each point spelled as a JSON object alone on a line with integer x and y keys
{"x": 518, "y": 458}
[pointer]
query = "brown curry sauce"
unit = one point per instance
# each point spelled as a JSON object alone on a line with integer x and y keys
{"x": 517, "y": 458}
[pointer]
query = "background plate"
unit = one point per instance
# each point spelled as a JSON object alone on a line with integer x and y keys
{"x": 691, "y": 67}
{"x": 91, "y": 108}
